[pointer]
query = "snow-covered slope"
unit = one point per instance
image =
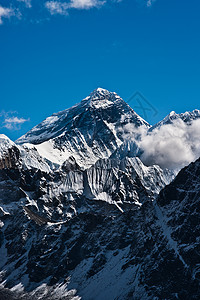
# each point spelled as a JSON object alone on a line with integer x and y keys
{"x": 80, "y": 212}
{"x": 5, "y": 143}
{"x": 88, "y": 131}
{"x": 25, "y": 156}
{"x": 9, "y": 153}
{"x": 186, "y": 117}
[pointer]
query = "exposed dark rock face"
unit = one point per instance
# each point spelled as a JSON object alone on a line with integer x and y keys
{"x": 111, "y": 229}
{"x": 10, "y": 159}
{"x": 151, "y": 251}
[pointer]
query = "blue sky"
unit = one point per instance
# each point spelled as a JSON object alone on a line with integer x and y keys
{"x": 54, "y": 53}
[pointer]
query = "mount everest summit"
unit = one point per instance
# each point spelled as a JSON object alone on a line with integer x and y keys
{"x": 93, "y": 205}
{"x": 88, "y": 131}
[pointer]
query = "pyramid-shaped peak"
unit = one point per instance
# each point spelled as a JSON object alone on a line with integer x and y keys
{"x": 100, "y": 90}
{"x": 102, "y": 111}
{"x": 100, "y": 93}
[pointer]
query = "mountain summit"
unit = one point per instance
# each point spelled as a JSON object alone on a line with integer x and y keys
{"x": 100, "y": 94}
{"x": 87, "y": 131}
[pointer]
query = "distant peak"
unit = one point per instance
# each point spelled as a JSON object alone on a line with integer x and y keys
{"x": 172, "y": 113}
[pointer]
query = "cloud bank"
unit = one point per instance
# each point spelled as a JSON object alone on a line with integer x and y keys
{"x": 171, "y": 146}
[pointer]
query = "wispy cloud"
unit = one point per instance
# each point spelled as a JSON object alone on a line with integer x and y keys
{"x": 86, "y": 4}
{"x": 56, "y": 7}
{"x": 43, "y": 9}
{"x": 6, "y": 12}
{"x": 62, "y": 8}
{"x": 27, "y": 8}
{"x": 11, "y": 121}
{"x": 14, "y": 123}
{"x": 28, "y": 3}
{"x": 150, "y": 3}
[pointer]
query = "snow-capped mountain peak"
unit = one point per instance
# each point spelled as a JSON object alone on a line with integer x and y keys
{"x": 79, "y": 210}
{"x": 187, "y": 117}
{"x": 100, "y": 94}
{"x": 88, "y": 131}
{"x": 100, "y": 99}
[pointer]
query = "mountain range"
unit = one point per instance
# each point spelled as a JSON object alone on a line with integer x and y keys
{"x": 95, "y": 203}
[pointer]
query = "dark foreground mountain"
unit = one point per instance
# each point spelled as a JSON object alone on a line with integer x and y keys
{"x": 110, "y": 229}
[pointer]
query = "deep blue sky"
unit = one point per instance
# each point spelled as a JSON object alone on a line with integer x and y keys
{"x": 49, "y": 65}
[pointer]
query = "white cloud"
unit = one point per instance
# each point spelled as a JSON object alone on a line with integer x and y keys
{"x": 86, "y": 4}
{"x": 25, "y": 8}
{"x": 15, "y": 120}
{"x": 57, "y": 7}
{"x": 5, "y": 12}
{"x": 14, "y": 123}
{"x": 171, "y": 146}
{"x": 10, "y": 121}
